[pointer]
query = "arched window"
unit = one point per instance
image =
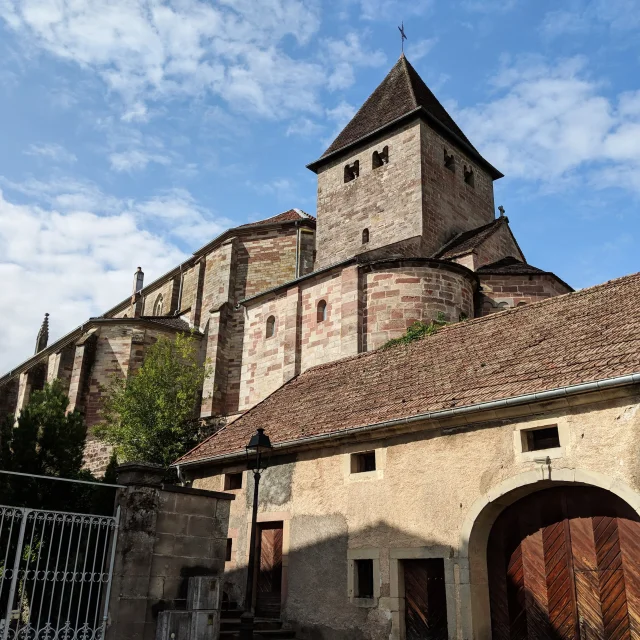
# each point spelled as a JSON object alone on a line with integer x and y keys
{"x": 365, "y": 236}
{"x": 379, "y": 158}
{"x": 469, "y": 176}
{"x": 322, "y": 311}
{"x": 271, "y": 326}
{"x": 157, "y": 307}
{"x": 351, "y": 171}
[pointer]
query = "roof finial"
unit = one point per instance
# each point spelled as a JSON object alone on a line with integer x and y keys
{"x": 43, "y": 335}
{"x": 501, "y": 210}
{"x": 403, "y": 36}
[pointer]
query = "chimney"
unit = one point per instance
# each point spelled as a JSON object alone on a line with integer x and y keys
{"x": 138, "y": 280}
{"x": 43, "y": 335}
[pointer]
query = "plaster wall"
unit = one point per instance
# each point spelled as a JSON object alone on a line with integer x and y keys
{"x": 416, "y": 504}
{"x": 385, "y": 200}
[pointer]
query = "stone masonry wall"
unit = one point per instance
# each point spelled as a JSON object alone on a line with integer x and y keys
{"x": 501, "y": 292}
{"x": 499, "y": 245}
{"x": 165, "y": 290}
{"x": 320, "y": 341}
{"x": 167, "y": 535}
{"x": 263, "y": 260}
{"x": 449, "y": 204}
{"x": 398, "y": 297}
{"x": 8, "y": 397}
{"x": 385, "y": 200}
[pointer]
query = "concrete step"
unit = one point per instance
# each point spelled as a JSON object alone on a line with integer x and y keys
{"x": 266, "y": 628}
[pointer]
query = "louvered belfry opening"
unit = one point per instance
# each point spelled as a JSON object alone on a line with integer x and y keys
{"x": 564, "y": 563}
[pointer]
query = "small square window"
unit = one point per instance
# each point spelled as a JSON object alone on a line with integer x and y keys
{"x": 229, "y": 548}
{"x": 540, "y": 439}
{"x": 232, "y": 481}
{"x": 362, "y": 462}
{"x": 363, "y": 576}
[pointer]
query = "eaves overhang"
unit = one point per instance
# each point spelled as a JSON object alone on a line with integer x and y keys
{"x": 468, "y": 414}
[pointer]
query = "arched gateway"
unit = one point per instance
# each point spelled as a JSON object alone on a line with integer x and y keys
{"x": 564, "y": 563}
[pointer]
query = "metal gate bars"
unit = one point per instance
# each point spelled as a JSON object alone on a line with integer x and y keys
{"x": 55, "y": 574}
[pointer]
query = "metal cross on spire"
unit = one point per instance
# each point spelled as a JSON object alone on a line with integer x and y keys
{"x": 403, "y": 35}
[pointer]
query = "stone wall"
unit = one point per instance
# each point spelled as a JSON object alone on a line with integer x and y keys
{"x": 428, "y": 487}
{"x": 167, "y": 535}
{"x": 449, "y": 204}
{"x": 398, "y": 296}
{"x": 366, "y": 306}
{"x": 501, "y": 292}
{"x": 385, "y": 200}
{"x": 499, "y": 245}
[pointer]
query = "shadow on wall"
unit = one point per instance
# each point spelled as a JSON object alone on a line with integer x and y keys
{"x": 319, "y": 582}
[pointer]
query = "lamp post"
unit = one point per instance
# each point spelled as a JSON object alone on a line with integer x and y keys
{"x": 257, "y": 457}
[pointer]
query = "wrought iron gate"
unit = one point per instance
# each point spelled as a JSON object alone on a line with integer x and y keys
{"x": 55, "y": 574}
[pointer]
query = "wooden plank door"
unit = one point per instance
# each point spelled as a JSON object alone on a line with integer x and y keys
{"x": 425, "y": 600}
{"x": 269, "y": 579}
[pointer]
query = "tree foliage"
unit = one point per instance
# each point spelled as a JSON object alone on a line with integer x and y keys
{"x": 150, "y": 416}
{"x": 46, "y": 440}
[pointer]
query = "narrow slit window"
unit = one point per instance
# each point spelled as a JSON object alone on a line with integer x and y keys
{"x": 449, "y": 161}
{"x": 540, "y": 439}
{"x": 322, "y": 311}
{"x": 229, "y": 549}
{"x": 363, "y": 575}
{"x": 380, "y": 158}
{"x": 363, "y": 462}
{"x": 469, "y": 177}
{"x": 232, "y": 481}
{"x": 365, "y": 236}
{"x": 351, "y": 171}
{"x": 271, "y": 326}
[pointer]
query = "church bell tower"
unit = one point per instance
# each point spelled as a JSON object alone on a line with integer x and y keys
{"x": 401, "y": 179}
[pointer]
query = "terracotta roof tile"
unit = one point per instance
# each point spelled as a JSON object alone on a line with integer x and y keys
{"x": 579, "y": 337}
{"x": 510, "y": 265}
{"x": 286, "y": 216}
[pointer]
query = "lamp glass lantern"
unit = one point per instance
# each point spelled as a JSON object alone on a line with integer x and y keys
{"x": 258, "y": 451}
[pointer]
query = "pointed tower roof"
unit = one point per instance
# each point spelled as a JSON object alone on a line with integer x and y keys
{"x": 401, "y": 95}
{"x": 43, "y": 335}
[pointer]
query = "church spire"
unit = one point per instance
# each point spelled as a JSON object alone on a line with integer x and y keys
{"x": 401, "y": 96}
{"x": 43, "y": 335}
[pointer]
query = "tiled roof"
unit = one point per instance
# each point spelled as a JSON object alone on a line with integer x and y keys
{"x": 510, "y": 265}
{"x": 292, "y": 214}
{"x": 467, "y": 241}
{"x": 589, "y": 335}
{"x": 400, "y": 93}
{"x": 169, "y": 321}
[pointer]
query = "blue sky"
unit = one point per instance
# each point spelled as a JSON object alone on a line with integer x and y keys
{"x": 134, "y": 131}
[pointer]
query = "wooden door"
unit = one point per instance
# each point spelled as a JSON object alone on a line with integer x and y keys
{"x": 425, "y": 600}
{"x": 269, "y": 579}
{"x": 564, "y": 564}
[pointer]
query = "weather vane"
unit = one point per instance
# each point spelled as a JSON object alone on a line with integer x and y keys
{"x": 402, "y": 34}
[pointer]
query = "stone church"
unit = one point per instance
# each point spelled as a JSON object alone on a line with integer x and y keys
{"x": 482, "y": 482}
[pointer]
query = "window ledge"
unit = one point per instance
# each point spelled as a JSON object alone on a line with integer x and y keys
{"x": 363, "y": 476}
{"x": 365, "y": 603}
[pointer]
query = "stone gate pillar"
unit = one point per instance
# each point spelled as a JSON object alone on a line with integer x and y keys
{"x": 168, "y": 535}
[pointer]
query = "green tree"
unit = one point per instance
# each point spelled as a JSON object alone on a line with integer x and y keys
{"x": 150, "y": 416}
{"x": 45, "y": 440}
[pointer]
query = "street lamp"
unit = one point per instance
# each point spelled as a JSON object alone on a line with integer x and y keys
{"x": 258, "y": 451}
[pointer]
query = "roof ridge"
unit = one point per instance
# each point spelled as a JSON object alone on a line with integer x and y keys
{"x": 405, "y": 65}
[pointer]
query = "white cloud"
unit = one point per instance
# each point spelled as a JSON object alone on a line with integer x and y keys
{"x": 619, "y": 15}
{"x": 304, "y": 127}
{"x": 150, "y": 49}
{"x": 51, "y": 151}
{"x": 72, "y": 253}
{"x": 390, "y": 9}
{"x": 135, "y": 160}
{"x": 346, "y": 54}
{"x": 419, "y": 49}
{"x": 559, "y": 123}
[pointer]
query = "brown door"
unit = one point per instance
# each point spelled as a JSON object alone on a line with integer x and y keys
{"x": 564, "y": 564}
{"x": 269, "y": 579}
{"x": 425, "y": 600}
